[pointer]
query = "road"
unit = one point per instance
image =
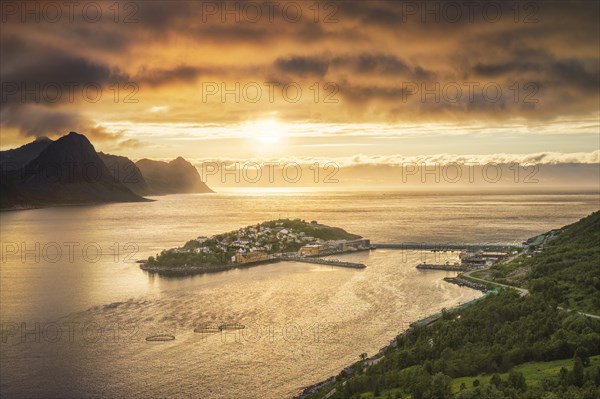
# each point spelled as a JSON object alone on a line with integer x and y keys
{"x": 522, "y": 291}
{"x": 593, "y": 316}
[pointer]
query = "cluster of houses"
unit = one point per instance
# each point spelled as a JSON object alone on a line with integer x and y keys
{"x": 480, "y": 259}
{"x": 261, "y": 243}
{"x": 534, "y": 245}
{"x": 334, "y": 246}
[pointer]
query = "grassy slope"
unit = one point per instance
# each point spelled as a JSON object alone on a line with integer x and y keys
{"x": 534, "y": 372}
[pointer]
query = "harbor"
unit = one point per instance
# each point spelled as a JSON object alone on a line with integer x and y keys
{"x": 449, "y": 247}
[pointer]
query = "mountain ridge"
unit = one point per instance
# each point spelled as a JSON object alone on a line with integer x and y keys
{"x": 69, "y": 170}
{"x": 175, "y": 176}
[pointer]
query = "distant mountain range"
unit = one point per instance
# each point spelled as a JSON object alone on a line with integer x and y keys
{"x": 126, "y": 172}
{"x": 70, "y": 171}
{"x": 177, "y": 176}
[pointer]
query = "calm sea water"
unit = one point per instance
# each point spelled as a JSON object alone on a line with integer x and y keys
{"x": 76, "y": 309}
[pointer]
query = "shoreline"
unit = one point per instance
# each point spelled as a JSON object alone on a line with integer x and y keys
{"x": 426, "y": 321}
{"x": 183, "y": 271}
{"x": 29, "y": 207}
{"x": 461, "y": 282}
{"x": 448, "y": 268}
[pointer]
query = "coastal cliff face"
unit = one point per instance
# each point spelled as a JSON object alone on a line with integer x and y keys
{"x": 177, "y": 176}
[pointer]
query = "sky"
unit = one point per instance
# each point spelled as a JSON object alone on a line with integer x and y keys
{"x": 351, "y": 82}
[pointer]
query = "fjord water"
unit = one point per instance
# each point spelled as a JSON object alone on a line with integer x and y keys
{"x": 74, "y": 323}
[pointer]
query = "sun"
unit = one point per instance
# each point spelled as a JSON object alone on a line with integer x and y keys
{"x": 265, "y": 132}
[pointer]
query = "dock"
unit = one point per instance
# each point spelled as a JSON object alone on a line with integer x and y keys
{"x": 448, "y": 268}
{"x": 448, "y": 247}
{"x": 327, "y": 262}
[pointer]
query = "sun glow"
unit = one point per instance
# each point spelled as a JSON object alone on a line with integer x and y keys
{"x": 265, "y": 132}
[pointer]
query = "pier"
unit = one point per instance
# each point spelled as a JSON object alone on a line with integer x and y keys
{"x": 328, "y": 262}
{"x": 449, "y": 247}
{"x": 449, "y": 268}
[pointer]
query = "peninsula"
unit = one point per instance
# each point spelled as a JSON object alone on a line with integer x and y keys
{"x": 267, "y": 242}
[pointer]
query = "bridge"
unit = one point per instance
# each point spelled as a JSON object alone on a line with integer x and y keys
{"x": 449, "y": 247}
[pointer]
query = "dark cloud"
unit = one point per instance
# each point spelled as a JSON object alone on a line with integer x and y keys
{"x": 363, "y": 94}
{"x": 163, "y": 15}
{"x": 373, "y": 63}
{"x": 38, "y": 121}
{"x": 34, "y": 120}
{"x": 156, "y": 77}
{"x": 303, "y": 66}
{"x": 362, "y": 64}
{"x": 572, "y": 72}
{"x": 380, "y": 64}
{"x": 45, "y": 75}
{"x": 494, "y": 70}
{"x": 367, "y": 47}
{"x": 375, "y": 14}
{"x": 545, "y": 68}
{"x": 62, "y": 69}
{"x": 108, "y": 40}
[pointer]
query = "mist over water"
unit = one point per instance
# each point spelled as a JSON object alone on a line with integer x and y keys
{"x": 303, "y": 322}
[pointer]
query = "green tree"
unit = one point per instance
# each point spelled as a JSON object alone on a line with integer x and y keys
{"x": 583, "y": 354}
{"x": 564, "y": 376}
{"x": 577, "y": 375}
{"x": 517, "y": 380}
{"x": 440, "y": 387}
{"x": 496, "y": 380}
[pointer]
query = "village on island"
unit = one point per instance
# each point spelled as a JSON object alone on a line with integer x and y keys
{"x": 268, "y": 242}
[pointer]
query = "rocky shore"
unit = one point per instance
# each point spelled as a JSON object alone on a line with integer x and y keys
{"x": 466, "y": 283}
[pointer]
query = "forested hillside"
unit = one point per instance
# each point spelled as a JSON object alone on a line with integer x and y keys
{"x": 566, "y": 270}
{"x": 504, "y": 341}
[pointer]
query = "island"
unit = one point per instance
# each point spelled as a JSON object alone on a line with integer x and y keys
{"x": 267, "y": 242}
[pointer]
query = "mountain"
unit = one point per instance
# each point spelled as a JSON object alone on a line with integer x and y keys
{"x": 67, "y": 171}
{"x": 11, "y": 197}
{"x": 126, "y": 172}
{"x": 70, "y": 171}
{"x": 17, "y": 158}
{"x": 177, "y": 176}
